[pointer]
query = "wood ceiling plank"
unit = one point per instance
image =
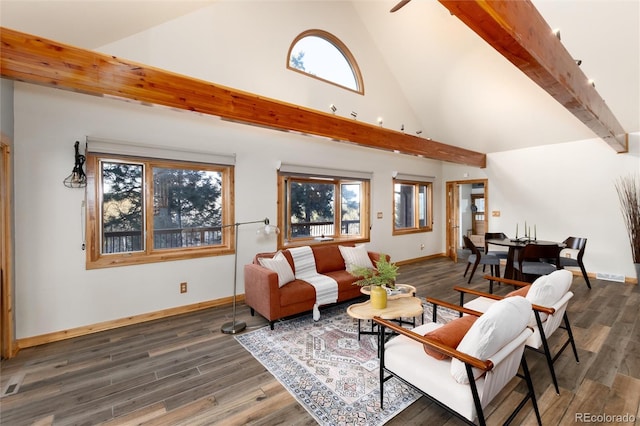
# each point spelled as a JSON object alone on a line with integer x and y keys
{"x": 518, "y": 31}
{"x": 36, "y": 60}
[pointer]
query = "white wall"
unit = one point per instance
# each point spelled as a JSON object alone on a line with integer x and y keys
{"x": 564, "y": 190}
{"x": 54, "y": 291}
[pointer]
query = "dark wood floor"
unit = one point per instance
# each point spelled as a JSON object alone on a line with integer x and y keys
{"x": 184, "y": 371}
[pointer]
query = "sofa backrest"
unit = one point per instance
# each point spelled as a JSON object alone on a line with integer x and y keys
{"x": 328, "y": 258}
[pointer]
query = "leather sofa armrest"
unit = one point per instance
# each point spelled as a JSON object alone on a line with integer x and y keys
{"x": 261, "y": 291}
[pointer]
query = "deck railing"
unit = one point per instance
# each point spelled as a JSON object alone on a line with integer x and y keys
{"x": 130, "y": 241}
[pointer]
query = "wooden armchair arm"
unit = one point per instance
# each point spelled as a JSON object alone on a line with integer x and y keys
{"x": 463, "y": 290}
{"x": 506, "y": 281}
{"x": 461, "y": 309}
{"x": 442, "y": 348}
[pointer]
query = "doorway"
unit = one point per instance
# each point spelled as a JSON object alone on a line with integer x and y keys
{"x": 466, "y": 207}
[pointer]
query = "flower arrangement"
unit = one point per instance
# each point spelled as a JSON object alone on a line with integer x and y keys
{"x": 384, "y": 274}
{"x": 628, "y": 188}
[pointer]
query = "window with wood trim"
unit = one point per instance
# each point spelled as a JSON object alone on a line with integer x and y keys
{"x": 412, "y": 206}
{"x": 322, "y": 55}
{"x": 322, "y": 209}
{"x": 143, "y": 210}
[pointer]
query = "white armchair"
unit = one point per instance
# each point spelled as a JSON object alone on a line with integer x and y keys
{"x": 488, "y": 356}
{"x": 549, "y": 296}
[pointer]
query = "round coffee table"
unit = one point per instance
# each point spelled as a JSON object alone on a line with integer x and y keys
{"x": 398, "y": 308}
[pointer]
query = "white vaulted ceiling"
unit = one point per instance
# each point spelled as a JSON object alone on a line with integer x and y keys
{"x": 462, "y": 91}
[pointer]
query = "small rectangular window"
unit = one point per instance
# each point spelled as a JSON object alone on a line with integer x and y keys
{"x": 412, "y": 203}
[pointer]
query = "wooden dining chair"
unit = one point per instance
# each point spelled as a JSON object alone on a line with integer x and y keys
{"x": 502, "y": 254}
{"x": 535, "y": 260}
{"x": 572, "y": 253}
{"x": 477, "y": 258}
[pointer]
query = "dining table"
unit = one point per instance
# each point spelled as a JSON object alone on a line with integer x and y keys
{"x": 514, "y": 245}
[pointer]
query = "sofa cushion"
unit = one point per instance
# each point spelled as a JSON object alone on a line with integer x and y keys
{"x": 355, "y": 256}
{"x": 328, "y": 258}
{"x": 280, "y": 265}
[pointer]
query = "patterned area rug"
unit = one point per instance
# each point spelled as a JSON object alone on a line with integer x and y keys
{"x": 332, "y": 374}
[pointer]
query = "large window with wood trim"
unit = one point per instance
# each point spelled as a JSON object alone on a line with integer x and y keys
{"x": 143, "y": 210}
{"x": 412, "y": 205}
{"x": 322, "y": 55}
{"x": 317, "y": 208}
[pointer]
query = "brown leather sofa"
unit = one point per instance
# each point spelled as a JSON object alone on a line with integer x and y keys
{"x": 262, "y": 293}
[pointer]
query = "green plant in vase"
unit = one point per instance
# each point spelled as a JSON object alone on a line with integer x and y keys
{"x": 384, "y": 275}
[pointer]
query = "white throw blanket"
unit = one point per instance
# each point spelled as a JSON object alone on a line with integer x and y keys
{"x": 305, "y": 266}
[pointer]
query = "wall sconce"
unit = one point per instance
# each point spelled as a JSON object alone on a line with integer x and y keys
{"x": 77, "y": 178}
{"x": 591, "y": 82}
{"x": 556, "y": 32}
{"x": 380, "y": 121}
{"x": 333, "y": 108}
{"x": 354, "y": 114}
{"x": 578, "y": 62}
{"x": 402, "y": 128}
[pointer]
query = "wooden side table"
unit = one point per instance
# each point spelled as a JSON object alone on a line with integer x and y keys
{"x": 398, "y": 308}
{"x": 404, "y": 290}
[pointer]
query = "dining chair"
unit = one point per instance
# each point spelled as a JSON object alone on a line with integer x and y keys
{"x": 535, "y": 260}
{"x": 489, "y": 248}
{"x": 549, "y": 296}
{"x": 461, "y": 368}
{"x": 572, "y": 254}
{"x": 477, "y": 258}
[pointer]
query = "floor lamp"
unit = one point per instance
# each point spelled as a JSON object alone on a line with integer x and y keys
{"x": 234, "y": 326}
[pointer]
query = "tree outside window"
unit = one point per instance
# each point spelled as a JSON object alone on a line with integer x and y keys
{"x": 148, "y": 210}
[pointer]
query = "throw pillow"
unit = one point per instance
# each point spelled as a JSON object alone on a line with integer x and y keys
{"x": 355, "y": 256}
{"x": 522, "y": 291}
{"x": 279, "y": 265}
{"x": 499, "y": 325}
{"x": 548, "y": 289}
{"x": 449, "y": 334}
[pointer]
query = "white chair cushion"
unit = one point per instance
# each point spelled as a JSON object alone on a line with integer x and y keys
{"x": 279, "y": 265}
{"x": 569, "y": 253}
{"x": 501, "y": 323}
{"x": 355, "y": 256}
{"x": 403, "y": 356}
{"x": 548, "y": 289}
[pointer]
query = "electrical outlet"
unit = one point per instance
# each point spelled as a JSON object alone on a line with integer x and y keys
{"x": 183, "y": 287}
{"x": 421, "y": 246}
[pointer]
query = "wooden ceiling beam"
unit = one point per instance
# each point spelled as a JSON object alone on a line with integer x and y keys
{"x": 39, "y": 61}
{"x": 518, "y": 31}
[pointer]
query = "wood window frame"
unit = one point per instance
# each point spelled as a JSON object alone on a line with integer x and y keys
{"x": 341, "y": 47}
{"x": 284, "y": 212}
{"x": 416, "y": 228}
{"x": 95, "y": 259}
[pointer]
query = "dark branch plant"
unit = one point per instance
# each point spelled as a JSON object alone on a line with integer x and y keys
{"x": 628, "y": 188}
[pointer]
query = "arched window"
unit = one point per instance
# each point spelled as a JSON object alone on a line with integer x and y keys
{"x": 322, "y": 55}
